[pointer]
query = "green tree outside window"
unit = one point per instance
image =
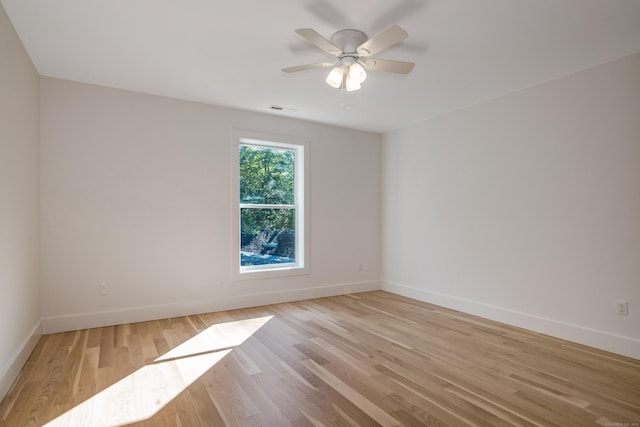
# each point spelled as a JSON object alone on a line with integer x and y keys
{"x": 267, "y": 198}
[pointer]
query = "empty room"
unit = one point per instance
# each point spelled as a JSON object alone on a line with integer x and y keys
{"x": 320, "y": 213}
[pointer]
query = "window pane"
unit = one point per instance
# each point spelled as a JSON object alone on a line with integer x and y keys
{"x": 267, "y": 236}
{"x": 266, "y": 175}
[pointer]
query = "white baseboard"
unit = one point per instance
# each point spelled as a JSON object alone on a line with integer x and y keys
{"x": 619, "y": 344}
{"x": 9, "y": 374}
{"x": 153, "y": 312}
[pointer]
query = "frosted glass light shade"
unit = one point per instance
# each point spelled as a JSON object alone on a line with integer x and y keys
{"x": 335, "y": 77}
{"x": 357, "y": 73}
{"x": 352, "y": 84}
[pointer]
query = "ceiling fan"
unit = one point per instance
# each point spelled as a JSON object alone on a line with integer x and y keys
{"x": 354, "y": 51}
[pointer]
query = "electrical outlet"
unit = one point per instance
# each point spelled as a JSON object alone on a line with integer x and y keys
{"x": 622, "y": 308}
{"x": 103, "y": 288}
{"x": 360, "y": 267}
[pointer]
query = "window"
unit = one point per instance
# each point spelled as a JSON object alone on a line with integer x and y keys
{"x": 269, "y": 224}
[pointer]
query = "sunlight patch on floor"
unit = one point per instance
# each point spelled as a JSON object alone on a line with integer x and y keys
{"x": 142, "y": 394}
{"x": 217, "y": 337}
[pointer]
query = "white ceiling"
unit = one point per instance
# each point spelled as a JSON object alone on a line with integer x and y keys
{"x": 231, "y": 53}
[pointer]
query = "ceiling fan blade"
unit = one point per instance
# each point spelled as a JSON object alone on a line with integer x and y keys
{"x": 313, "y": 37}
{"x": 307, "y": 67}
{"x": 385, "y": 39}
{"x": 324, "y": 10}
{"x": 389, "y": 66}
{"x": 398, "y": 13}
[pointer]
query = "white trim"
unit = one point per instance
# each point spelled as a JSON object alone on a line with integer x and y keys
{"x": 9, "y": 374}
{"x": 78, "y": 321}
{"x": 302, "y": 204}
{"x": 619, "y": 344}
{"x": 259, "y": 206}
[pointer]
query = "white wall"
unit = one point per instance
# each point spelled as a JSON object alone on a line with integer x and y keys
{"x": 525, "y": 209}
{"x": 19, "y": 289}
{"x": 136, "y": 192}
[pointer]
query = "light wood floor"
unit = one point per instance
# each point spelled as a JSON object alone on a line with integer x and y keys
{"x": 365, "y": 359}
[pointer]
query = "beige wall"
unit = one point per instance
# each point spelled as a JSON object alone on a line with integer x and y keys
{"x": 525, "y": 209}
{"x": 136, "y": 192}
{"x": 20, "y": 298}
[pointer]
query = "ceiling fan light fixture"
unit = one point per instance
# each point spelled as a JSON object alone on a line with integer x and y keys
{"x": 352, "y": 85}
{"x": 335, "y": 77}
{"x": 357, "y": 73}
{"x": 350, "y": 47}
{"x": 348, "y": 75}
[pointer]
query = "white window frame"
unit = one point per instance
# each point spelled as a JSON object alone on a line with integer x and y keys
{"x": 300, "y": 146}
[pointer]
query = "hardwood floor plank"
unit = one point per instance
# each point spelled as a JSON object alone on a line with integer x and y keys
{"x": 356, "y": 360}
{"x": 232, "y": 403}
{"x": 204, "y": 407}
{"x": 379, "y": 415}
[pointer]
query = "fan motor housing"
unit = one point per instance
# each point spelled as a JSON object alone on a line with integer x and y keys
{"x": 348, "y": 41}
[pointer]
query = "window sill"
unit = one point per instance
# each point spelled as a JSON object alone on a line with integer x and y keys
{"x": 270, "y": 273}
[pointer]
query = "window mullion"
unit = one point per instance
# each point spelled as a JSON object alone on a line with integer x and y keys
{"x": 265, "y": 206}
